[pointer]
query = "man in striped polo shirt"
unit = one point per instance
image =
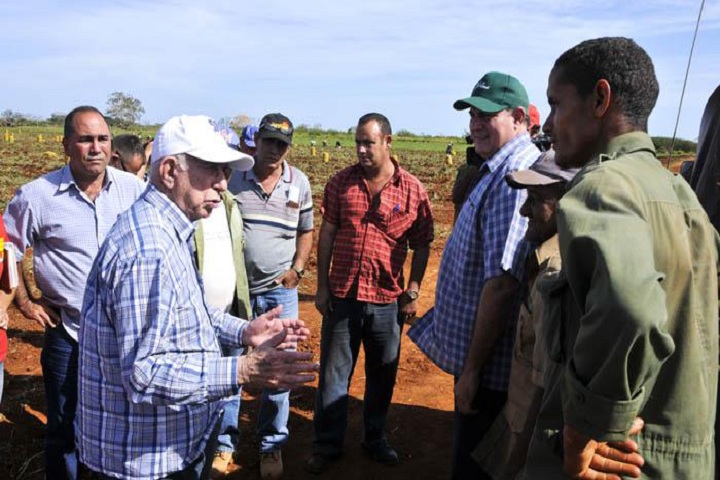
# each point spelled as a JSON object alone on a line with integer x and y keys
{"x": 276, "y": 205}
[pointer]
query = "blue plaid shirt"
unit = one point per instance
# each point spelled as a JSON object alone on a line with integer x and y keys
{"x": 486, "y": 242}
{"x": 151, "y": 376}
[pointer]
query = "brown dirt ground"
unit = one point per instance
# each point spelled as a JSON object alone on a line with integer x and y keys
{"x": 419, "y": 424}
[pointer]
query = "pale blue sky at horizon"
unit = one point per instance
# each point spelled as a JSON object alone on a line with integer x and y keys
{"x": 326, "y": 62}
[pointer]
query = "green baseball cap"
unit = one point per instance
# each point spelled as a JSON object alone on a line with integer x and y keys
{"x": 494, "y": 92}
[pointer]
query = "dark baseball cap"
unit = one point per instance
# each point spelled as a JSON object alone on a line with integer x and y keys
{"x": 276, "y": 125}
{"x": 543, "y": 172}
{"x": 494, "y": 92}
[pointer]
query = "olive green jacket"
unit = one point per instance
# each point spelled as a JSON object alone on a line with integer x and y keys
{"x": 636, "y": 314}
{"x": 241, "y": 303}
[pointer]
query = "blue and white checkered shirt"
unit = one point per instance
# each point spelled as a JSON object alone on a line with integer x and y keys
{"x": 151, "y": 374}
{"x": 65, "y": 229}
{"x": 486, "y": 242}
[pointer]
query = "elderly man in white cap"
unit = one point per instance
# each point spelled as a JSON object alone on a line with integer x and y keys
{"x": 152, "y": 376}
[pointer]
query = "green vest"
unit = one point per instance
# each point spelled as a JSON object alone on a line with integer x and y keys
{"x": 241, "y": 303}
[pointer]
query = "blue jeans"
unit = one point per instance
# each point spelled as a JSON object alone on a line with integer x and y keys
{"x": 59, "y": 360}
{"x": 229, "y": 430}
{"x": 272, "y": 431}
{"x": 379, "y": 328}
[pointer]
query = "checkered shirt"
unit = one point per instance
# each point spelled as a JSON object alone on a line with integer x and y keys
{"x": 373, "y": 236}
{"x": 486, "y": 242}
{"x": 151, "y": 373}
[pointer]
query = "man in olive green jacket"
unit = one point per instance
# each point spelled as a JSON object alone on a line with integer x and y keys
{"x": 636, "y": 307}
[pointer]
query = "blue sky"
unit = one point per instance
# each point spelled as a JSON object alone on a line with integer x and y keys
{"x": 328, "y": 62}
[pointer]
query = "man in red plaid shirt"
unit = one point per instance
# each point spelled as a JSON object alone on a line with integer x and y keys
{"x": 373, "y": 212}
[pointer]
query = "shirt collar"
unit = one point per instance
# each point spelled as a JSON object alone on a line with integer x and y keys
{"x": 169, "y": 211}
{"x": 494, "y": 162}
{"x": 547, "y": 249}
{"x": 358, "y": 171}
{"x": 286, "y": 177}
{"x": 629, "y": 143}
{"x": 67, "y": 179}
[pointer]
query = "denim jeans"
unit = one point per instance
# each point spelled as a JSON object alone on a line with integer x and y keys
{"x": 229, "y": 430}
{"x": 351, "y": 322}
{"x": 272, "y": 431}
{"x": 59, "y": 360}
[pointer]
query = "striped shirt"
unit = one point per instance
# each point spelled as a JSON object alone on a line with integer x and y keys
{"x": 486, "y": 242}
{"x": 373, "y": 237}
{"x": 65, "y": 229}
{"x": 151, "y": 373}
{"x": 271, "y": 223}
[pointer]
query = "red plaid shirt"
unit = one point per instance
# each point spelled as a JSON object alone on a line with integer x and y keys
{"x": 373, "y": 237}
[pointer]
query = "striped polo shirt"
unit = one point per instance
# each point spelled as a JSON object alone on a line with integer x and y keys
{"x": 271, "y": 223}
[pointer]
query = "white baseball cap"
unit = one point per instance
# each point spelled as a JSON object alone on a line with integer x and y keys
{"x": 197, "y": 135}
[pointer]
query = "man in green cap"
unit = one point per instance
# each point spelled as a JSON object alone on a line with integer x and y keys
{"x": 469, "y": 333}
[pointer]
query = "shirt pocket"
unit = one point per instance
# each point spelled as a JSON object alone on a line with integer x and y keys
{"x": 551, "y": 331}
{"x": 395, "y": 221}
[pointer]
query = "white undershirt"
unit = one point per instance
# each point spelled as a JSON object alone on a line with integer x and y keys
{"x": 218, "y": 265}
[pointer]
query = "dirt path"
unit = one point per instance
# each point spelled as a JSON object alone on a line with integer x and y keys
{"x": 419, "y": 423}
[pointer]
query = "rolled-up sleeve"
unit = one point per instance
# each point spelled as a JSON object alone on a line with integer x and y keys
{"x": 608, "y": 257}
{"x": 19, "y": 222}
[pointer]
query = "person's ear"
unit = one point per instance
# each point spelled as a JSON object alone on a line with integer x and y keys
{"x": 602, "y": 98}
{"x": 519, "y": 115}
{"x": 168, "y": 170}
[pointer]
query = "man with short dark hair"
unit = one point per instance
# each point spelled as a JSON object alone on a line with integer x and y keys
{"x": 275, "y": 201}
{"x": 470, "y": 331}
{"x": 128, "y": 155}
{"x": 152, "y": 376}
{"x": 635, "y": 326}
{"x": 373, "y": 212}
{"x": 65, "y": 216}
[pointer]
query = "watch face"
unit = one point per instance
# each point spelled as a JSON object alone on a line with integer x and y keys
{"x": 413, "y": 294}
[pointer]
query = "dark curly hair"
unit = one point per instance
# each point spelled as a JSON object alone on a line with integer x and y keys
{"x": 623, "y": 63}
